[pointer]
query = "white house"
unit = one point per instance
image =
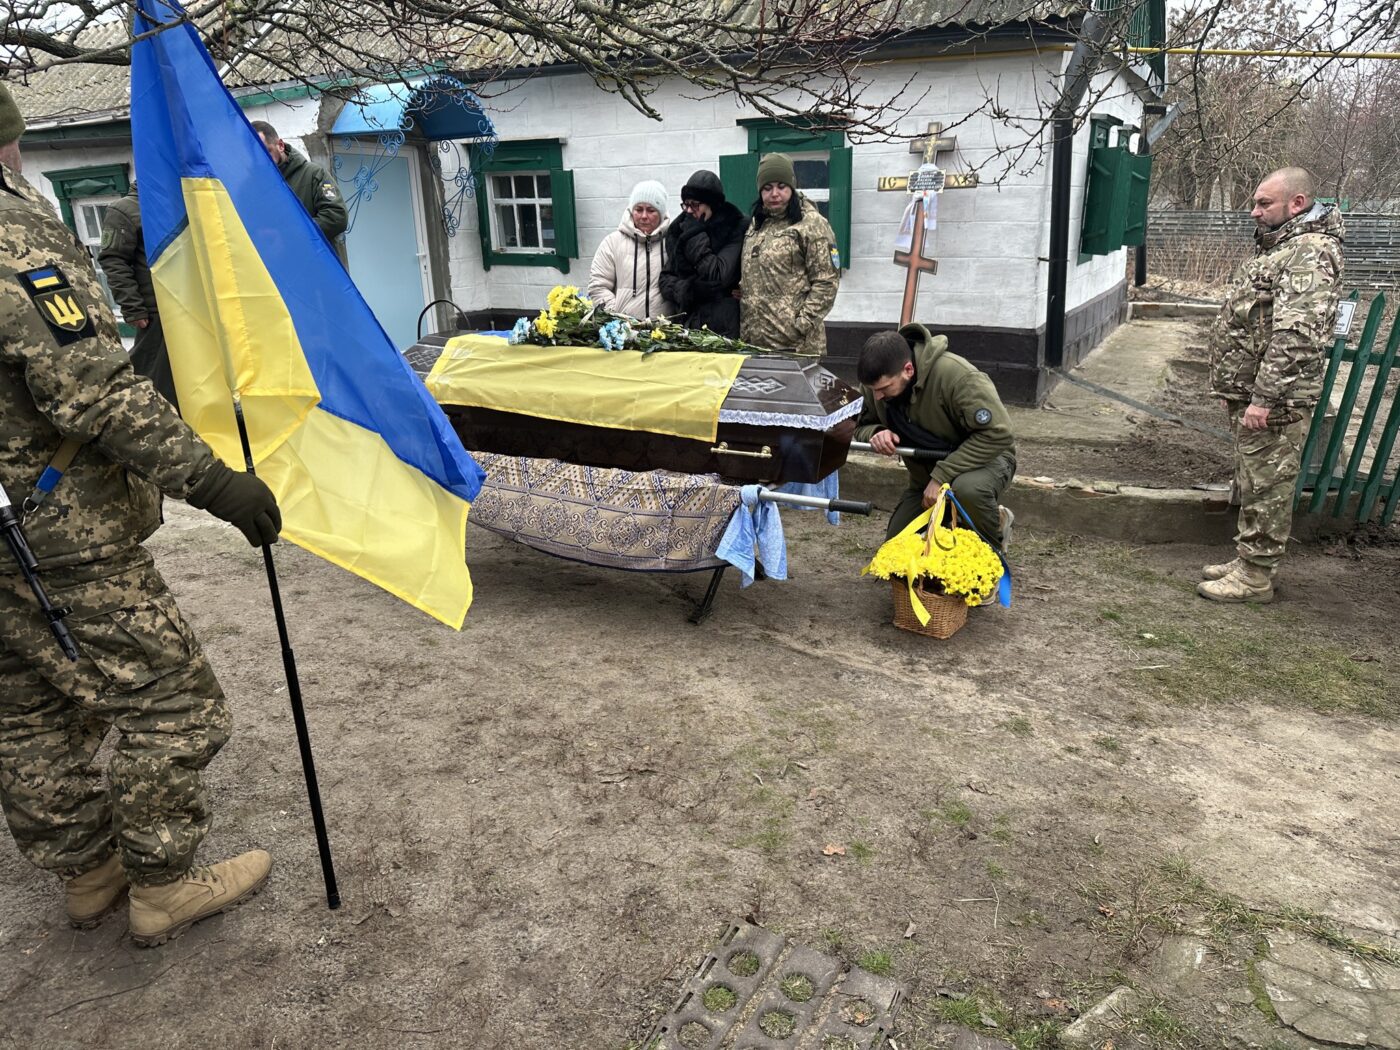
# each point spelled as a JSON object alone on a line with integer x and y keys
{"x": 566, "y": 155}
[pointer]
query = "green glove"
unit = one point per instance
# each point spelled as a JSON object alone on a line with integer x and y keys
{"x": 242, "y": 500}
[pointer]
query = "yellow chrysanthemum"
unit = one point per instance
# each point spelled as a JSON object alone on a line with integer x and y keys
{"x": 546, "y": 325}
{"x": 657, "y": 333}
{"x": 971, "y": 570}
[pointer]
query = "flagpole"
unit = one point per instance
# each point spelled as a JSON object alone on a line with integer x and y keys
{"x": 289, "y": 665}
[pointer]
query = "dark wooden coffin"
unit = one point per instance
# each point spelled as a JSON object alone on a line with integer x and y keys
{"x": 786, "y": 419}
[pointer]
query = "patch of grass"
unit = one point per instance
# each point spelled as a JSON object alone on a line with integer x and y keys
{"x": 1108, "y": 743}
{"x": 861, "y": 851}
{"x": 880, "y": 963}
{"x": 1112, "y": 615}
{"x": 1165, "y": 1028}
{"x": 833, "y": 939}
{"x": 1017, "y": 725}
{"x": 995, "y": 871}
{"x": 777, "y": 1024}
{"x": 744, "y": 964}
{"x": 955, "y": 814}
{"x": 718, "y": 998}
{"x": 1001, "y": 828}
{"x": 1243, "y": 660}
{"x": 797, "y": 987}
{"x": 966, "y": 1011}
{"x": 1260, "y": 993}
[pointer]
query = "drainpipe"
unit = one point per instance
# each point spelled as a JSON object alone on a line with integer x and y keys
{"x": 1145, "y": 144}
{"x": 1083, "y": 62}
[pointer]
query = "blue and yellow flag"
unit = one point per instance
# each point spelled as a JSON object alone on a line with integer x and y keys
{"x": 255, "y": 304}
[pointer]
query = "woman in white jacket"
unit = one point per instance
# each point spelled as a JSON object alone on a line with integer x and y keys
{"x": 626, "y": 273}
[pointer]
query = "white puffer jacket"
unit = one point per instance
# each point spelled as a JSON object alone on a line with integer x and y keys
{"x": 626, "y": 273}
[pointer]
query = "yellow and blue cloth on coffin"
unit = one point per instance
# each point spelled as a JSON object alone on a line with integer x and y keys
{"x": 256, "y": 306}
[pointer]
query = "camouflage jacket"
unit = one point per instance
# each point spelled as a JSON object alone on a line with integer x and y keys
{"x": 1269, "y": 343}
{"x": 63, "y": 373}
{"x": 317, "y": 193}
{"x": 123, "y": 259}
{"x": 788, "y": 282}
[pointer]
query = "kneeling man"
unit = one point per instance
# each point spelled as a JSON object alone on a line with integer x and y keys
{"x": 918, "y": 395}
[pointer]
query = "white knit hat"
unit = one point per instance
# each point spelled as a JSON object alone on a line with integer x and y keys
{"x": 649, "y": 192}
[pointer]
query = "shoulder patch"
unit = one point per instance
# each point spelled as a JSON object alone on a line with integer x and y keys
{"x": 1301, "y": 279}
{"x": 328, "y": 188}
{"x": 982, "y": 416}
{"x": 835, "y": 257}
{"x": 57, "y": 304}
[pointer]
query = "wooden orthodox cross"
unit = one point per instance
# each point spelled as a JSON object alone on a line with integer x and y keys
{"x": 914, "y": 261}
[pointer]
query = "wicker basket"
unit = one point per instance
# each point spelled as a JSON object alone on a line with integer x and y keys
{"x": 945, "y": 615}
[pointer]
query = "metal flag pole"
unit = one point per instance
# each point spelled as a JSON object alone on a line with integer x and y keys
{"x": 289, "y": 665}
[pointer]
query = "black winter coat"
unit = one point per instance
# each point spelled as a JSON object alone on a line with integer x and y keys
{"x": 702, "y": 269}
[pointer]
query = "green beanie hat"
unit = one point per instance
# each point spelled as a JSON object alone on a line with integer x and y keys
{"x": 776, "y": 167}
{"x": 11, "y": 123}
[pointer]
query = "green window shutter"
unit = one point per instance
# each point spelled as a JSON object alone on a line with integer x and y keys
{"x": 841, "y": 202}
{"x": 561, "y": 183}
{"x": 483, "y": 218}
{"x": 738, "y": 173}
{"x": 1139, "y": 169}
{"x": 1106, "y": 193}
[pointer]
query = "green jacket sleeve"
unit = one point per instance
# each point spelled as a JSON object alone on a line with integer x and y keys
{"x": 868, "y": 423}
{"x": 979, "y": 411}
{"x": 84, "y": 384}
{"x": 328, "y": 208}
{"x": 120, "y": 243}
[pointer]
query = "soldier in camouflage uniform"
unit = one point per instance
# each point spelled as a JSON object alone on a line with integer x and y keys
{"x": 790, "y": 267}
{"x": 66, "y": 383}
{"x": 123, "y": 259}
{"x": 1268, "y": 348}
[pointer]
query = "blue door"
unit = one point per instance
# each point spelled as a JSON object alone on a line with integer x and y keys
{"x": 383, "y": 246}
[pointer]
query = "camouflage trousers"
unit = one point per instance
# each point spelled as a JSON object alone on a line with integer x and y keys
{"x": 1266, "y": 472}
{"x": 140, "y": 672}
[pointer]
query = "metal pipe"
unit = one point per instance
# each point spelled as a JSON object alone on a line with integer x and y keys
{"x": 1061, "y": 170}
{"x": 923, "y": 455}
{"x": 789, "y": 499}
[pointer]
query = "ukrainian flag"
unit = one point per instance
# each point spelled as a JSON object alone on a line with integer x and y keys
{"x": 255, "y": 305}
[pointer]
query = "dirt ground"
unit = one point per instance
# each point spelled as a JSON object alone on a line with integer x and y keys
{"x": 542, "y": 823}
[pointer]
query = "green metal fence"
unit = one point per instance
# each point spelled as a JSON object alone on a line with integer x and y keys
{"x": 1355, "y": 492}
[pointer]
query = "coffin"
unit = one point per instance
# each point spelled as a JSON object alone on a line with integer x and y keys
{"x": 785, "y": 418}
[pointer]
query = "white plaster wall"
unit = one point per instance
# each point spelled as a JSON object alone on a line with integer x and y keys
{"x": 39, "y": 161}
{"x": 989, "y": 240}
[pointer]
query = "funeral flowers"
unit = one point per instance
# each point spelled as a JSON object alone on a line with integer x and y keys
{"x": 957, "y": 561}
{"x": 570, "y": 319}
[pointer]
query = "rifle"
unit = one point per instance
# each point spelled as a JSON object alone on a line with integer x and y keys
{"x": 29, "y": 569}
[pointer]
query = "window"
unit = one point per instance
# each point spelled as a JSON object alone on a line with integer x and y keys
{"x": 523, "y": 212}
{"x": 821, "y": 159}
{"x": 525, "y": 206}
{"x": 88, "y": 215}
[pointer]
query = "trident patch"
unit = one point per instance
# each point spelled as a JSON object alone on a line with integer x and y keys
{"x": 57, "y": 304}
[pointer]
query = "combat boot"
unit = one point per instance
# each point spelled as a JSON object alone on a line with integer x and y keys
{"x": 94, "y": 893}
{"x": 1248, "y": 583}
{"x": 1006, "y": 520}
{"x": 160, "y": 913}
{"x": 1219, "y": 572}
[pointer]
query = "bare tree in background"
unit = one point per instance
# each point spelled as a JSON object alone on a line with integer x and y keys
{"x": 1243, "y": 116}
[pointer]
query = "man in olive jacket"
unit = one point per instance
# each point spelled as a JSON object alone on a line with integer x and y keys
{"x": 122, "y": 257}
{"x": 918, "y": 395}
{"x": 312, "y": 186}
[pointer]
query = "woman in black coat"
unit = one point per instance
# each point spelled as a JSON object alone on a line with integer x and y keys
{"x": 702, "y": 257}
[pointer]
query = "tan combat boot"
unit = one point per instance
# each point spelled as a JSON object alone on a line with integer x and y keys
{"x": 160, "y": 913}
{"x": 1219, "y": 572}
{"x": 94, "y": 893}
{"x": 1248, "y": 583}
{"x": 1006, "y": 521}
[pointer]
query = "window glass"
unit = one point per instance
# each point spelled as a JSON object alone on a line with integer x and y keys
{"x": 813, "y": 171}
{"x": 523, "y": 212}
